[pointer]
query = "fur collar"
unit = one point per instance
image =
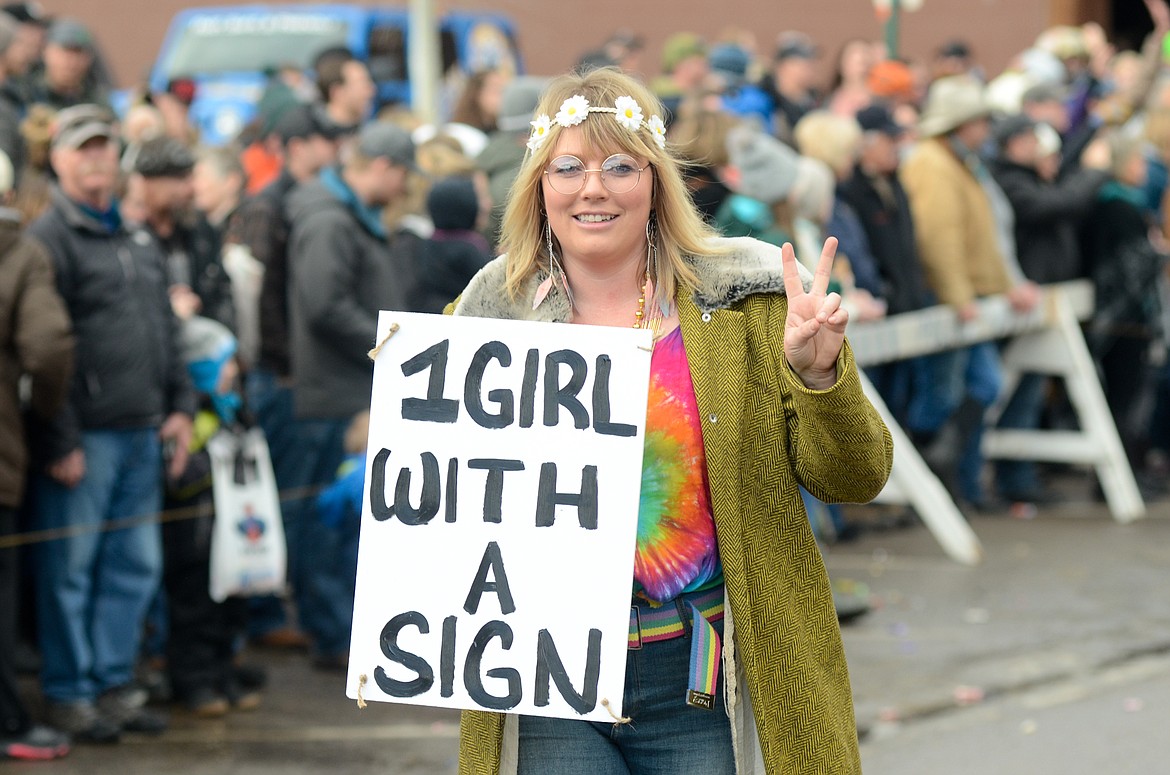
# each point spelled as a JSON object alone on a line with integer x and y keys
{"x": 737, "y": 268}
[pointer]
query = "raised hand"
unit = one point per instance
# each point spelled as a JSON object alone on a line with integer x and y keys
{"x": 1159, "y": 14}
{"x": 815, "y": 329}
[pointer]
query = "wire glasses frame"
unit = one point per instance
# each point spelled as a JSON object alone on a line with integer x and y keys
{"x": 619, "y": 174}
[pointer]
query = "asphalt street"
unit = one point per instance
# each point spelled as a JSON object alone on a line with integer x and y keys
{"x": 1052, "y": 656}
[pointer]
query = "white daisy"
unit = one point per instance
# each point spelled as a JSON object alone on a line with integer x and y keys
{"x": 539, "y": 134}
{"x": 657, "y": 131}
{"x": 573, "y": 111}
{"x": 629, "y": 113}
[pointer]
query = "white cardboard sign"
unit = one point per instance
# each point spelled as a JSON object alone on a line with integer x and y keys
{"x": 501, "y": 505}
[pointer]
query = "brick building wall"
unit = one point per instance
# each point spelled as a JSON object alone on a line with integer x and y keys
{"x": 553, "y": 33}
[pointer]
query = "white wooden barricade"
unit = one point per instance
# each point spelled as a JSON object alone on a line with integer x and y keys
{"x": 1046, "y": 340}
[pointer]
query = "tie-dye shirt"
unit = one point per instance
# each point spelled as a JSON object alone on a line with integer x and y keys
{"x": 677, "y": 551}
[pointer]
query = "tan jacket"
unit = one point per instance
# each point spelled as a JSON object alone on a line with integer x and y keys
{"x": 954, "y": 226}
{"x": 35, "y": 340}
{"x": 789, "y": 699}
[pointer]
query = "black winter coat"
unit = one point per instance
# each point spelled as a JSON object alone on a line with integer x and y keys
{"x": 1124, "y": 266}
{"x": 890, "y": 228}
{"x": 129, "y": 367}
{"x": 199, "y": 246}
{"x": 342, "y": 276}
{"x": 1047, "y": 218}
{"x": 444, "y": 269}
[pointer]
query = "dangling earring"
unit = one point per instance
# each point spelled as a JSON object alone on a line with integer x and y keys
{"x": 556, "y": 272}
{"x": 552, "y": 257}
{"x": 658, "y": 305}
{"x": 652, "y": 246}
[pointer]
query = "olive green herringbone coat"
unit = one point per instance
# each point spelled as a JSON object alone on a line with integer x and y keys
{"x": 763, "y": 433}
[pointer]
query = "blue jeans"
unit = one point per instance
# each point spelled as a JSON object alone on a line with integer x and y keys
{"x": 895, "y": 383}
{"x": 1160, "y": 421}
{"x": 951, "y": 377}
{"x": 272, "y": 405}
{"x": 1018, "y": 478}
{"x": 666, "y": 736}
{"x": 93, "y": 588}
{"x": 325, "y": 600}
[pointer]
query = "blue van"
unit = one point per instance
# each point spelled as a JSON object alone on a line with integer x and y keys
{"x": 230, "y": 51}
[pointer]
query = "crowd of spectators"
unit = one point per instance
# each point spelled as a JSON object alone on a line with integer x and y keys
{"x": 154, "y": 290}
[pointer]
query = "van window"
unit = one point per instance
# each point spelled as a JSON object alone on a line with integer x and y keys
{"x": 226, "y": 43}
{"x": 387, "y": 54}
{"x": 449, "y": 51}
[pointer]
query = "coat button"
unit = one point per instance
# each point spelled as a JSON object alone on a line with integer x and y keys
{"x": 714, "y": 417}
{"x": 706, "y": 317}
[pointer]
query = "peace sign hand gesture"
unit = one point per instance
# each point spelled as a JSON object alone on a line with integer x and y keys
{"x": 815, "y": 329}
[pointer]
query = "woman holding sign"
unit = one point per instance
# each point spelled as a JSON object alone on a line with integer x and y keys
{"x": 753, "y": 392}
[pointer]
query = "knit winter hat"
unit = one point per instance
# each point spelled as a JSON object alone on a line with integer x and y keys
{"x": 452, "y": 204}
{"x": 1010, "y": 127}
{"x": 812, "y": 191}
{"x": 206, "y": 341}
{"x": 680, "y": 46}
{"x": 207, "y": 347}
{"x": 767, "y": 167}
{"x": 730, "y": 62}
{"x": 891, "y": 79}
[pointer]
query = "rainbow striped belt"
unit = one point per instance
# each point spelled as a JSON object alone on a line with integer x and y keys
{"x": 686, "y": 615}
{"x": 649, "y": 625}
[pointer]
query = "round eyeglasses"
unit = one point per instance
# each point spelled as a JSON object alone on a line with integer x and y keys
{"x": 619, "y": 174}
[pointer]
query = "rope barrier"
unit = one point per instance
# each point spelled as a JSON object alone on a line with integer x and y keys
{"x": 31, "y": 537}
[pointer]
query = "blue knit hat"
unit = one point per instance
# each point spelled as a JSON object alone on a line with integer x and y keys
{"x": 207, "y": 347}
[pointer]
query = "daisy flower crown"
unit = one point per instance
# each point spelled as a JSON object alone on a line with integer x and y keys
{"x": 626, "y": 111}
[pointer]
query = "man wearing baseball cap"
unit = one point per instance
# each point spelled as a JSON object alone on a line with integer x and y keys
{"x": 791, "y": 84}
{"x": 345, "y": 265}
{"x": 101, "y": 458}
{"x": 67, "y": 76}
{"x": 308, "y": 143}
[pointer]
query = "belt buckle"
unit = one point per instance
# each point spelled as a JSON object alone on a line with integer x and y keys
{"x": 636, "y": 620}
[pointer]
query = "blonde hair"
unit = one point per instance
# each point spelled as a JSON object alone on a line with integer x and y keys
{"x": 680, "y": 228}
{"x": 1123, "y": 147}
{"x": 701, "y": 136}
{"x": 1157, "y": 130}
{"x": 442, "y": 156}
{"x": 833, "y": 139}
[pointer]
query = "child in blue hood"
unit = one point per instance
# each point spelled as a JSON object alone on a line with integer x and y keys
{"x": 339, "y": 506}
{"x": 204, "y": 635}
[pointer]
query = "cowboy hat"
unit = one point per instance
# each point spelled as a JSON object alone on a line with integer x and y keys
{"x": 952, "y": 102}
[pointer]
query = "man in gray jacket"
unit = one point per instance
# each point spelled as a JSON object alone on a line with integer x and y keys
{"x": 345, "y": 266}
{"x": 102, "y": 453}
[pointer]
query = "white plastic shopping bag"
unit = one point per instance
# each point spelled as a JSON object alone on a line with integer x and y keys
{"x": 248, "y": 552}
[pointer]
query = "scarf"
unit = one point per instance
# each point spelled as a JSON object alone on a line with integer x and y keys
{"x": 369, "y": 217}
